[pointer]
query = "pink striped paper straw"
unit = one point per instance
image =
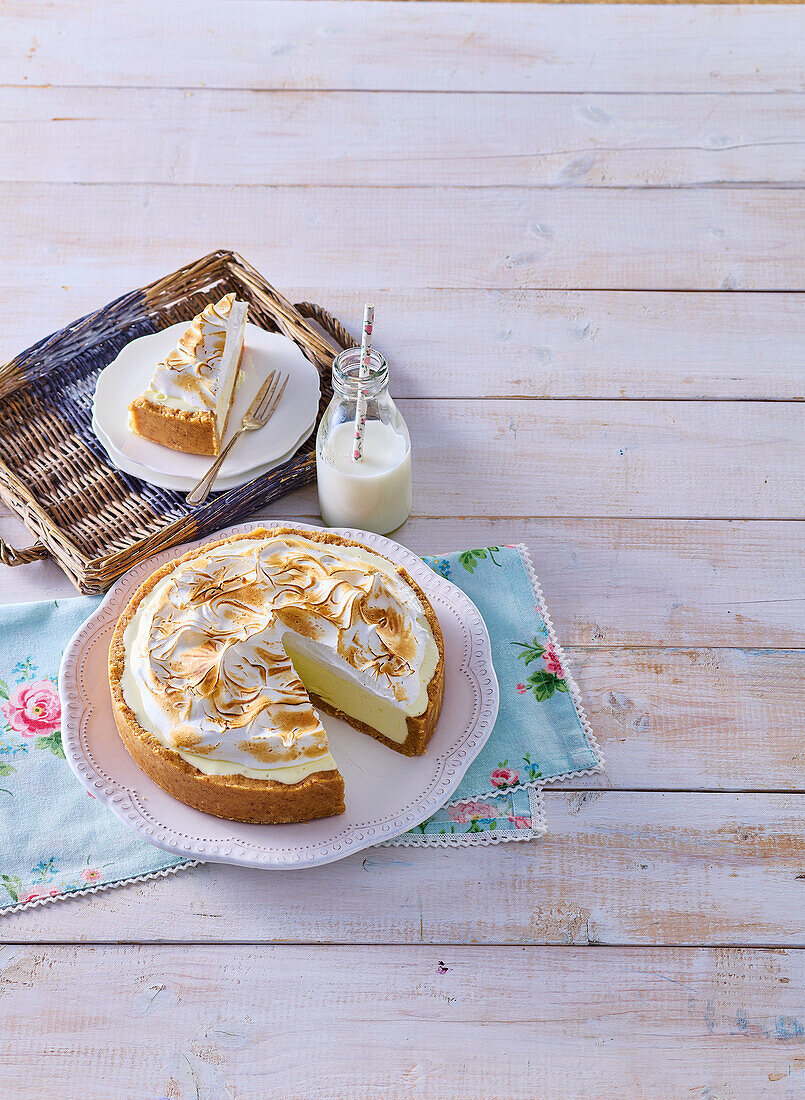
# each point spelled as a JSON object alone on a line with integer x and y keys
{"x": 366, "y": 360}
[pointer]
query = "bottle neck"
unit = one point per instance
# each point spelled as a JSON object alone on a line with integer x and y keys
{"x": 347, "y": 379}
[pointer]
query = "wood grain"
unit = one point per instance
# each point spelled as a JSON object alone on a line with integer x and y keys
{"x": 73, "y": 135}
{"x": 414, "y": 47}
{"x": 431, "y": 1023}
{"x": 616, "y": 867}
{"x": 554, "y": 199}
{"x": 463, "y": 238}
{"x": 608, "y": 582}
{"x": 524, "y": 343}
{"x": 717, "y": 719}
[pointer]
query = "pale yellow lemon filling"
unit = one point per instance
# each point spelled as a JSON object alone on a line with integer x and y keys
{"x": 292, "y": 774}
{"x": 347, "y": 696}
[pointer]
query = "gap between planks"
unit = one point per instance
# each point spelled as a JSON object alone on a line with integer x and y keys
{"x": 123, "y": 944}
{"x": 193, "y": 89}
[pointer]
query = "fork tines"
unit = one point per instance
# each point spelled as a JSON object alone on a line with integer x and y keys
{"x": 271, "y": 398}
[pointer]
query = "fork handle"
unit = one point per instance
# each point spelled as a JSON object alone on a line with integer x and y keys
{"x": 202, "y": 490}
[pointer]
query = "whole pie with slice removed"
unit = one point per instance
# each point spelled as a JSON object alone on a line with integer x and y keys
{"x": 222, "y": 658}
{"x": 187, "y": 401}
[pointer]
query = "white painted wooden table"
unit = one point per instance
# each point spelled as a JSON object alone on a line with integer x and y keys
{"x": 548, "y": 205}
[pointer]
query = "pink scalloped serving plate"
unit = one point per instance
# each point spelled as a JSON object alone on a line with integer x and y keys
{"x": 386, "y": 794}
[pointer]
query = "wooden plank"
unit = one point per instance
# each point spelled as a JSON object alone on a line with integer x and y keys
{"x": 436, "y": 47}
{"x": 608, "y": 582}
{"x": 701, "y": 459}
{"x": 616, "y": 867}
{"x": 502, "y": 237}
{"x": 607, "y": 458}
{"x": 429, "y": 1022}
{"x": 602, "y": 344}
{"x": 527, "y": 343}
{"x": 721, "y": 719}
{"x": 72, "y": 135}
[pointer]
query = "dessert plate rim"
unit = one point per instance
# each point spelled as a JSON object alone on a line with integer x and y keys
{"x": 101, "y": 764}
{"x": 180, "y": 484}
{"x": 128, "y": 374}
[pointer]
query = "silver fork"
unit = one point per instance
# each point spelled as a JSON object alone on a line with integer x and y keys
{"x": 256, "y": 416}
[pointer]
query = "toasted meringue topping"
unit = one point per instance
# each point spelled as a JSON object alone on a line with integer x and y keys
{"x": 198, "y": 374}
{"x": 208, "y": 669}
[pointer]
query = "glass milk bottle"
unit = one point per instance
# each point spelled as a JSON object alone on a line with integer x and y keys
{"x": 375, "y": 492}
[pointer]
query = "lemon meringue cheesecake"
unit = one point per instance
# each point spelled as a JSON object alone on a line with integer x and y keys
{"x": 221, "y": 659}
{"x": 186, "y": 404}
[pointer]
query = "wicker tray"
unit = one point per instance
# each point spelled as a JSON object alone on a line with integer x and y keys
{"x": 95, "y": 521}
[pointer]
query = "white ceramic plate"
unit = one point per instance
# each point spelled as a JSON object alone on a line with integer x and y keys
{"x": 386, "y": 794}
{"x": 185, "y": 484}
{"x": 127, "y": 376}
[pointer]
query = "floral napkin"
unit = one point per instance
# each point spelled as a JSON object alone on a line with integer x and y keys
{"x": 56, "y": 840}
{"x": 542, "y": 733}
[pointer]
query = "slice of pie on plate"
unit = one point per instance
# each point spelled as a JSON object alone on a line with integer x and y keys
{"x": 221, "y": 659}
{"x": 187, "y": 402}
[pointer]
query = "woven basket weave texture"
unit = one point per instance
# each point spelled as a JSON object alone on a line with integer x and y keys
{"x": 95, "y": 520}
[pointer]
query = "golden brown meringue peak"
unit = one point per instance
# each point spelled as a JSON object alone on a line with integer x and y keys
{"x": 213, "y": 652}
{"x": 190, "y": 373}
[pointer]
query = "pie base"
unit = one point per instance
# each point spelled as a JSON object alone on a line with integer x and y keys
{"x": 259, "y": 801}
{"x": 181, "y": 430}
{"x": 234, "y": 797}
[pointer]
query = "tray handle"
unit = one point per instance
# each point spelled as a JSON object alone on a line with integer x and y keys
{"x": 331, "y": 325}
{"x": 9, "y": 555}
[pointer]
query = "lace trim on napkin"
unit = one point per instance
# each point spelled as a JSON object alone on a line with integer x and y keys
{"x": 538, "y": 828}
{"x": 68, "y": 895}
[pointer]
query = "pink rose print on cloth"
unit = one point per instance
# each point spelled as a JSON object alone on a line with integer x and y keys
{"x": 546, "y": 675}
{"x": 503, "y": 776}
{"x": 36, "y": 895}
{"x": 552, "y": 663}
{"x": 34, "y": 709}
{"x": 91, "y": 874}
{"x": 465, "y": 812}
{"x": 520, "y": 822}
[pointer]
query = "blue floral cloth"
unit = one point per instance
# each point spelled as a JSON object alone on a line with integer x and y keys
{"x": 542, "y": 733}
{"x": 56, "y": 839}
